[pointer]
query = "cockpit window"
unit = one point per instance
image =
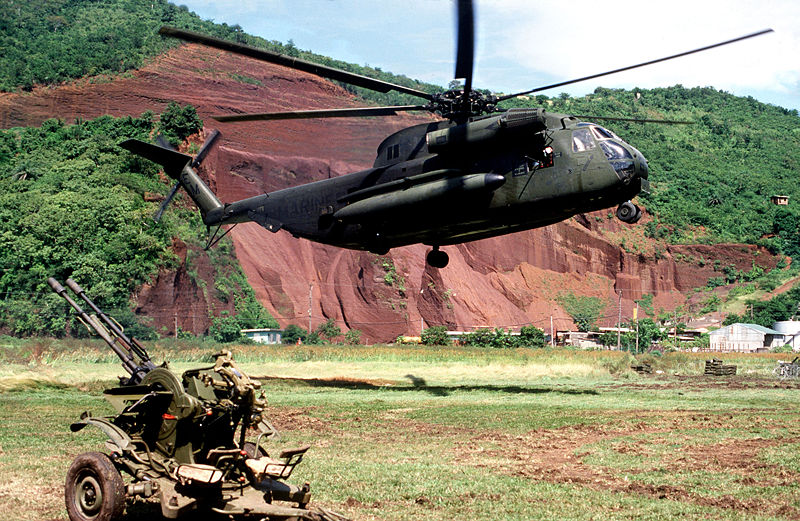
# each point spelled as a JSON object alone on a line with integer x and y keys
{"x": 601, "y": 133}
{"x": 614, "y": 150}
{"x": 582, "y": 140}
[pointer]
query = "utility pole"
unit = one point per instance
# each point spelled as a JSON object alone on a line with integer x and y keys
{"x": 636, "y": 318}
{"x": 552, "y": 333}
{"x": 176, "y": 326}
{"x": 675, "y": 320}
{"x": 619, "y": 322}
{"x": 310, "y": 289}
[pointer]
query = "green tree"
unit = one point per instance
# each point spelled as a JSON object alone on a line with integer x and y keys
{"x": 435, "y": 336}
{"x": 584, "y": 310}
{"x": 250, "y": 313}
{"x": 649, "y": 332}
{"x": 502, "y": 339}
{"x": 608, "y": 339}
{"x": 177, "y": 123}
{"x": 225, "y": 328}
{"x": 292, "y": 333}
{"x": 531, "y": 336}
{"x": 353, "y": 337}
{"x": 481, "y": 337}
{"x": 328, "y": 330}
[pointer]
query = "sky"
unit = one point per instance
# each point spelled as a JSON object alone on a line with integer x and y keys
{"x": 522, "y": 44}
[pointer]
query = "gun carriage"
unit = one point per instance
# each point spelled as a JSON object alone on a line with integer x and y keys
{"x": 193, "y": 442}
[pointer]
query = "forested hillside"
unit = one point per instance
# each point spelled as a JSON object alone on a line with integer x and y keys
{"x": 73, "y": 204}
{"x": 45, "y": 42}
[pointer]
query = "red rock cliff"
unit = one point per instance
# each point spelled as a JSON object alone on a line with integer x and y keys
{"x": 506, "y": 281}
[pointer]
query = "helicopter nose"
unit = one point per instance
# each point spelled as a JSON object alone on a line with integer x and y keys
{"x": 641, "y": 168}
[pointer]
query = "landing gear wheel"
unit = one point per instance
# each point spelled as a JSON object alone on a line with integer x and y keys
{"x": 637, "y": 216}
{"x": 629, "y": 213}
{"x": 94, "y": 489}
{"x": 437, "y": 258}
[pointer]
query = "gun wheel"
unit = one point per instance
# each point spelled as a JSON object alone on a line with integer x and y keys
{"x": 94, "y": 489}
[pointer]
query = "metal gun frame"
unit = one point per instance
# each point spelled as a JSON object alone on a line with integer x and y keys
{"x": 183, "y": 440}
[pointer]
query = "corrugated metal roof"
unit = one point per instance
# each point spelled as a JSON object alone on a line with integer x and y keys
{"x": 765, "y": 330}
{"x": 756, "y": 327}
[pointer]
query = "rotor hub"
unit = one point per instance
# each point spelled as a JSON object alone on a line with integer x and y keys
{"x": 456, "y": 105}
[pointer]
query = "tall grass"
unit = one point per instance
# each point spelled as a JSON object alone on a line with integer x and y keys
{"x": 87, "y": 361}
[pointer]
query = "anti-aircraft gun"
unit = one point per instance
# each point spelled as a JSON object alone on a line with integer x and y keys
{"x": 183, "y": 440}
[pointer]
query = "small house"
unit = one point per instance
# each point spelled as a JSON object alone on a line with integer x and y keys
{"x": 744, "y": 338}
{"x": 264, "y": 336}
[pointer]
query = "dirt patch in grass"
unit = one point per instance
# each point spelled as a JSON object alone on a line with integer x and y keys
{"x": 741, "y": 457}
{"x": 295, "y": 419}
{"x": 557, "y": 456}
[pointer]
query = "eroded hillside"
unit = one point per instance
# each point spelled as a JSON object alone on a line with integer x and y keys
{"x": 506, "y": 281}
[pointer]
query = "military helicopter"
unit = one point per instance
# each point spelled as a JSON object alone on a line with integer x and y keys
{"x": 478, "y": 172}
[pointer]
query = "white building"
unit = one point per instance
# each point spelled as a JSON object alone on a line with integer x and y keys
{"x": 791, "y": 332}
{"x": 745, "y": 338}
{"x": 264, "y": 336}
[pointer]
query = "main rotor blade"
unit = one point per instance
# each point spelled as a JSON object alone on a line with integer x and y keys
{"x": 165, "y": 202}
{"x": 163, "y": 142}
{"x": 465, "y": 51}
{"x": 636, "y": 120}
{"x": 707, "y": 47}
{"x": 201, "y": 154}
{"x": 359, "y": 112}
{"x": 294, "y": 63}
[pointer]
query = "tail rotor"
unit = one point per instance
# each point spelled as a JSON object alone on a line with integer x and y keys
{"x": 198, "y": 158}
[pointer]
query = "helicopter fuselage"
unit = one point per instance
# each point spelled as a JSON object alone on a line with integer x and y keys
{"x": 445, "y": 183}
{"x": 477, "y": 173}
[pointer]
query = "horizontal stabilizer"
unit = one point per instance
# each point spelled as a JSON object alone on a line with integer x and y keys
{"x": 178, "y": 166}
{"x": 172, "y": 161}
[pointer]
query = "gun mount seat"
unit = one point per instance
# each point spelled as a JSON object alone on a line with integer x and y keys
{"x": 276, "y": 468}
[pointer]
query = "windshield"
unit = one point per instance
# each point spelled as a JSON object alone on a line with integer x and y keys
{"x": 582, "y": 140}
{"x": 614, "y": 150}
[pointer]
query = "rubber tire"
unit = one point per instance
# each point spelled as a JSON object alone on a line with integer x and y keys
{"x": 437, "y": 259}
{"x": 626, "y": 212}
{"x": 92, "y": 474}
{"x": 638, "y": 215}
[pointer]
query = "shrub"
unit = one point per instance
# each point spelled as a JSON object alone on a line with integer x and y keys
{"x": 531, "y": 336}
{"x": 584, "y": 310}
{"x": 177, "y": 123}
{"x": 293, "y": 333}
{"x": 353, "y": 337}
{"x": 328, "y": 330}
{"x": 435, "y": 336}
{"x": 225, "y": 328}
{"x": 483, "y": 337}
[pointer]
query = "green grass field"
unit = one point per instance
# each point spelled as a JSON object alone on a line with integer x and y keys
{"x": 455, "y": 433}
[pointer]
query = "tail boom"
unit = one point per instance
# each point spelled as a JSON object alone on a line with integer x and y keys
{"x": 178, "y": 166}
